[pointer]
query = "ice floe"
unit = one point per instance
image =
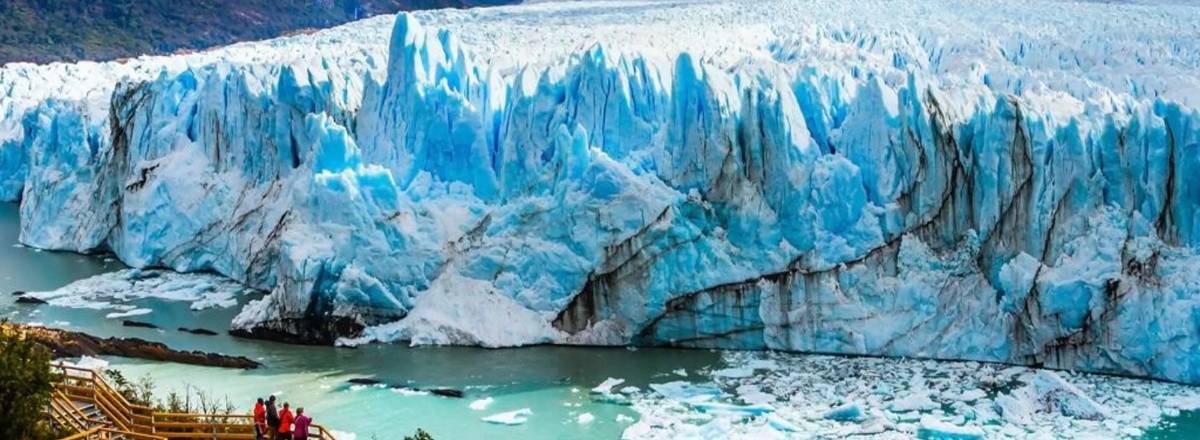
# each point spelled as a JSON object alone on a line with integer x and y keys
{"x": 119, "y": 291}
{"x": 510, "y": 418}
{"x": 481, "y": 404}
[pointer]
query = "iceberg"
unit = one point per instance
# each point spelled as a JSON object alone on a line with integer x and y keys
{"x": 934, "y": 429}
{"x": 510, "y": 418}
{"x": 934, "y": 182}
{"x": 849, "y": 412}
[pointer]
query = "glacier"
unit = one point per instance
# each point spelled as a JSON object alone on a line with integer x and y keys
{"x": 992, "y": 181}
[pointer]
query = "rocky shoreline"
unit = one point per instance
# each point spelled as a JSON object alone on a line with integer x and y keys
{"x": 65, "y": 343}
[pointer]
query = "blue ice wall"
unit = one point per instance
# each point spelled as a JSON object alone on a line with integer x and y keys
{"x": 861, "y": 208}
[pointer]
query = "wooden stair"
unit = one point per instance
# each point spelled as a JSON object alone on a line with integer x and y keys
{"x": 84, "y": 403}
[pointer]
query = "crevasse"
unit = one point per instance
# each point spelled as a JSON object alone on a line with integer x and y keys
{"x": 846, "y": 189}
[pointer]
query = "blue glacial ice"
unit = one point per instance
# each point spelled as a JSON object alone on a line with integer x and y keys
{"x": 797, "y": 175}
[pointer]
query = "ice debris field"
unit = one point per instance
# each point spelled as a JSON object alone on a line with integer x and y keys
{"x": 772, "y": 396}
{"x": 1001, "y": 181}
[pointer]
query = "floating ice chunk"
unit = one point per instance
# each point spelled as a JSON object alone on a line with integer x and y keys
{"x": 680, "y": 372}
{"x": 753, "y": 394}
{"x": 763, "y": 364}
{"x": 780, "y": 424}
{"x": 622, "y": 418}
{"x": 406, "y": 391}
{"x": 613, "y": 398}
{"x": 933, "y": 429}
{"x": 91, "y": 363}
{"x": 126, "y": 314}
{"x": 630, "y": 390}
{"x": 1056, "y": 393}
{"x": 1015, "y": 411}
{"x": 735, "y": 372}
{"x": 585, "y": 418}
{"x": 510, "y": 418}
{"x": 849, "y": 412}
{"x": 727, "y": 408}
{"x": 914, "y": 402}
{"x": 481, "y": 404}
{"x": 971, "y": 395}
{"x": 607, "y": 386}
{"x": 686, "y": 392}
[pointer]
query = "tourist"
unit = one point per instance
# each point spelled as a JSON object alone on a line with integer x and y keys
{"x": 272, "y": 419}
{"x": 260, "y": 420}
{"x": 302, "y": 422}
{"x": 285, "y": 423}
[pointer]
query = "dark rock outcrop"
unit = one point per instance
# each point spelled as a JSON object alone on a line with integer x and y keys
{"x": 309, "y": 330}
{"x": 198, "y": 331}
{"x": 65, "y": 343}
{"x": 25, "y": 299}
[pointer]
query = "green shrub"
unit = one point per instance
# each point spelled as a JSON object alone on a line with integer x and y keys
{"x": 420, "y": 435}
{"x": 25, "y": 385}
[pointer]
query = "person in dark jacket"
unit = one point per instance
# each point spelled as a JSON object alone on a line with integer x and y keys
{"x": 272, "y": 418}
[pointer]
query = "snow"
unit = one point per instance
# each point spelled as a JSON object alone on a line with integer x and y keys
{"x": 994, "y": 181}
{"x": 517, "y": 417}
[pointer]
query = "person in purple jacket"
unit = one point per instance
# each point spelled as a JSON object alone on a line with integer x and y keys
{"x": 300, "y": 431}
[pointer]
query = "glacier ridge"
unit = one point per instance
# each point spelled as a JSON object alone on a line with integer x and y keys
{"x": 791, "y": 175}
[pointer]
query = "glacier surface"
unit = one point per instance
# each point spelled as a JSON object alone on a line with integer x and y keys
{"x": 997, "y": 181}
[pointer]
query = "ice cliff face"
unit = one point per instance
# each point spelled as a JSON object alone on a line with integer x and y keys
{"x": 931, "y": 181}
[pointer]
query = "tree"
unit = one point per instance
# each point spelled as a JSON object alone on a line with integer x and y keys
{"x": 25, "y": 385}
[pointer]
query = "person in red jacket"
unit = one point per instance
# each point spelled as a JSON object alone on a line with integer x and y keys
{"x": 285, "y": 423}
{"x": 260, "y": 420}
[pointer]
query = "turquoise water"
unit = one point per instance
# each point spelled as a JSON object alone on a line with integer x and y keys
{"x": 551, "y": 381}
{"x": 22, "y": 268}
{"x": 1181, "y": 427}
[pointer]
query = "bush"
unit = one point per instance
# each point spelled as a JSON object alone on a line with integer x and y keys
{"x": 420, "y": 435}
{"x": 140, "y": 392}
{"x": 25, "y": 385}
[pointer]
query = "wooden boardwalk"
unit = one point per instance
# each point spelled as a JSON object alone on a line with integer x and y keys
{"x": 84, "y": 402}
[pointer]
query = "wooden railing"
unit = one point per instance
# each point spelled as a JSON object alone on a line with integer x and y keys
{"x": 139, "y": 422}
{"x": 102, "y": 433}
{"x": 226, "y": 426}
{"x": 84, "y": 385}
